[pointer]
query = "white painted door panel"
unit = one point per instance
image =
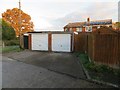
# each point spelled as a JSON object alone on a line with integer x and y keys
{"x": 61, "y": 42}
{"x": 40, "y": 42}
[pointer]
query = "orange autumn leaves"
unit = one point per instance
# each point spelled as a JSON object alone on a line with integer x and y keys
{"x": 12, "y": 16}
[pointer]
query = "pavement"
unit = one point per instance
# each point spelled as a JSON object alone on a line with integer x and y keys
{"x": 32, "y": 69}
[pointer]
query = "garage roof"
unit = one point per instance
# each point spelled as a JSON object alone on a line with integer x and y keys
{"x": 54, "y": 32}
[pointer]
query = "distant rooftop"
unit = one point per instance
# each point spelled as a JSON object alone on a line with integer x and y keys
{"x": 96, "y": 22}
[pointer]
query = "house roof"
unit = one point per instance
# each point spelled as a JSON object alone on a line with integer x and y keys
{"x": 76, "y": 24}
{"x": 96, "y": 22}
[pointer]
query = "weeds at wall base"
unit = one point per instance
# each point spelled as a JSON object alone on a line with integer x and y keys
{"x": 99, "y": 72}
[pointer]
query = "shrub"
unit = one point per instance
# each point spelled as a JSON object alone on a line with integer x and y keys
{"x": 8, "y": 32}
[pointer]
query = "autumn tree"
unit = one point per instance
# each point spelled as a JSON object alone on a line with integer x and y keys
{"x": 18, "y": 20}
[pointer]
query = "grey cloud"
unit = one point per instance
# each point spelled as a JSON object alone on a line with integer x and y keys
{"x": 94, "y": 11}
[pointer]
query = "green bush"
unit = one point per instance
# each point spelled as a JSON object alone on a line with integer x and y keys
{"x": 8, "y": 32}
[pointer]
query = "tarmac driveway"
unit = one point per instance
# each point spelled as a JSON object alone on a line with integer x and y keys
{"x": 64, "y": 63}
{"x": 21, "y": 75}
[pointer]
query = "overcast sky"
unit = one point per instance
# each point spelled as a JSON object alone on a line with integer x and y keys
{"x": 55, "y": 14}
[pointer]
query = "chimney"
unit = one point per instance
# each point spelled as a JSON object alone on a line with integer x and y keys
{"x": 88, "y": 21}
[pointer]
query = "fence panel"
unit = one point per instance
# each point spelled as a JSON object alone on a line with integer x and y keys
{"x": 80, "y": 42}
{"x": 101, "y": 48}
{"x": 119, "y": 49}
{"x": 106, "y": 49}
{"x": 90, "y": 47}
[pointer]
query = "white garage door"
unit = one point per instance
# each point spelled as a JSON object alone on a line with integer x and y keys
{"x": 40, "y": 42}
{"x": 61, "y": 42}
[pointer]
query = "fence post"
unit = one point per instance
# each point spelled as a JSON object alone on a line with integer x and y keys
{"x": 86, "y": 43}
{"x": 119, "y": 52}
{"x": 93, "y": 51}
{"x": 119, "y": 49}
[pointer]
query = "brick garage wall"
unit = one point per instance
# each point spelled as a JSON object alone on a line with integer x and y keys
{"x": 49, "y": 42}
{"x": 30, "y": 41}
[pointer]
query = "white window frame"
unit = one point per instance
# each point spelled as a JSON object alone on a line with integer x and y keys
{"x": 88, "y": 29}
{"x": 70, "y": 30}
{"x": 79, "y": 29}
{"x": 98, "y": 27}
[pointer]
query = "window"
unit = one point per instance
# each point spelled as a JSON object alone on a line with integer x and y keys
{"x": 98, "y": 27}
{"x": 70, "y": 29}
{"x": 79, "y": 29}
{"x": 88, "y": 29}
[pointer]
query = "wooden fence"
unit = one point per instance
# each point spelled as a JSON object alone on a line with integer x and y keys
{"x": 80, "y": 42}
{"x": 101, "y": 48}
{"x": 104, "y": 49}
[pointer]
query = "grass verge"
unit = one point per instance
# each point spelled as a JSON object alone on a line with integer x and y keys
{"x": 7, "y": 49}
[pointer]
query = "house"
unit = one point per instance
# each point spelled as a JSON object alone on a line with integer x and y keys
{"x": 88, "y": 26}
